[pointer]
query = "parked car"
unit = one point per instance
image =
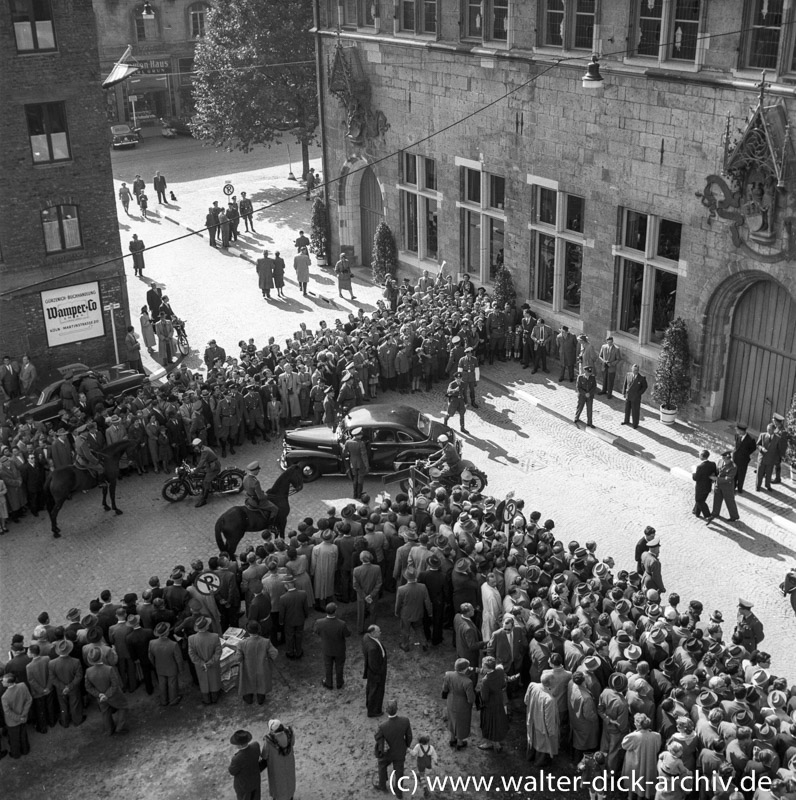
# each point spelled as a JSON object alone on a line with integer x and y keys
{"x": 180, "y": 126}
{"x": 115, "y": 381}
{"x": 396, "y": 437}
{"x": 124, "y": 136}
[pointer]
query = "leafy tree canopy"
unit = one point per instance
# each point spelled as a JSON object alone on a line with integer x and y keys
{"x": 240, "y": 100}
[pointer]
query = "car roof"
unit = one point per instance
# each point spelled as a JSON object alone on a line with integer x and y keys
{"x": 382, "y": 414}
{"x": 124, "y": 128}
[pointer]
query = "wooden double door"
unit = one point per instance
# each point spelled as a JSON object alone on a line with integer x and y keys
{"x": 761, "y": 369}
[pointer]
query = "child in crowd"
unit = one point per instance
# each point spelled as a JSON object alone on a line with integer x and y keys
{"x": 427, "y": 761}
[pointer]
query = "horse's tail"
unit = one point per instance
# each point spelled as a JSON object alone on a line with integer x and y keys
{"x": 220, "y": 543}
{"x": 49, "y": 500}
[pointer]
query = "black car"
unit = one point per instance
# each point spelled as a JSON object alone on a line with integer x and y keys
{"x": 115, "y": 381}
{"x": 396, "y": 436}
{"x": 123, "y": 136}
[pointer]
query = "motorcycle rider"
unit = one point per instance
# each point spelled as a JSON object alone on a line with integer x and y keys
{"x": 85, "y": 457}
{"x": 256, "y": 498}
{"x": 448, "y": 459}
{"x": 208, "y": 465}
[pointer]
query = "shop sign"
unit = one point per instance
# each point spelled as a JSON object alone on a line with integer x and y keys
{"x": 72, "y": 313}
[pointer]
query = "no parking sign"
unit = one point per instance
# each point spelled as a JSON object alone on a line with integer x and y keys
{"x": 509, "y": 510}
{"x": 208, "y": 583}
{"x": 228, "y": 189}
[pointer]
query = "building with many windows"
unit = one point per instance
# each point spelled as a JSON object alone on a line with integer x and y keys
{"x": 60, "y": 260}
{"x": 667, "y": 192}
{"x": 163, "y": 45}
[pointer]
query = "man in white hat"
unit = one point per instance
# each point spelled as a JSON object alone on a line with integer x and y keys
{"x": 748, "y": 626}
{"x": 256, "y": 498}
{"x": 208, "y": 465}
{"x": 448, "y": 458}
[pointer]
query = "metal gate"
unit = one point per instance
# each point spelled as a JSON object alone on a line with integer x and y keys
{"x": 371, "y": 212}
{"x": 761, "y": 370}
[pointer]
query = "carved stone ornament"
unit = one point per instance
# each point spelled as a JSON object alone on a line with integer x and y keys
{"x": 347, "y": 82}
{"x": 752, "y": 191}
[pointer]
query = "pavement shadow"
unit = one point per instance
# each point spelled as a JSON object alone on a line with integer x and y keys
{"x": 292, "y": 303}
{"x": 319, "y": 277}
{"x": 152, "y": 219}
{"x": 123, "y": 227}
{"x": 666, "y": 441}
{"x": 751, "y": 540}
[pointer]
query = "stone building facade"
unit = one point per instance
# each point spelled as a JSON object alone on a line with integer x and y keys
{"x": 465, "y": 125}
{"x": 163, "y": 47}
{"x": 60, "y": 257}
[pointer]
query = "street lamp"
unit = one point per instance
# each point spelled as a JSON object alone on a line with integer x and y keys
{"x": 148, "y": 12}
{"x": 593, "y": 80}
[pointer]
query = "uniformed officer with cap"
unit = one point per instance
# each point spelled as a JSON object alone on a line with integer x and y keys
{"x": 457, "y": 352}
{"x": 781, "y": 434}
{"x": 209, "y": 465}
{"x": 724, "y": 489}
{"x": 84, "y": 455}
{"x": 456, "y": 394}
{"x": 468, "y": 364}
{"x": 745, "y": 445}
{"x": 256, "y": 498}
{"x": 355, "y": 455}
{"x": 748, "y": 627}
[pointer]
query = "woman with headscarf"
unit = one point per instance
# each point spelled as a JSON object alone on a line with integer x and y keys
{"x": 458, "y": 690}
{"x": 277, "y": 752}
{"x": 641, "y": 752}
{"x": 494, "y": 720}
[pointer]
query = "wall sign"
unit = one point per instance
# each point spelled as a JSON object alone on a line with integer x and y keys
{"x": 72, "y": 313}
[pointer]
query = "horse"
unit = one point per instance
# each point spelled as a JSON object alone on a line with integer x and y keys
{"x": 64, "y": 482}
{"x": 232, "y": 524}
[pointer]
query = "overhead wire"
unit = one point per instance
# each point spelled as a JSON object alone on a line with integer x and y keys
{"x": 480, "y": 110}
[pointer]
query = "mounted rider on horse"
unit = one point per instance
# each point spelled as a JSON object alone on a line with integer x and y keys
{"x": 85, "y": 457}
{"x": 256, "y": 499}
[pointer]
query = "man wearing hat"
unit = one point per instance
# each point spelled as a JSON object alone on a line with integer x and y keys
{"x": 411, "y": 603}
{"x": 468, "y": 366}
{"x": 542, "y": 721}
{"x": 613, "y": 711}
{"x": 214, "y": 353}
{"x": 208, "y": 465}
{"x": 447, "y": 460}
{"x": 541, "y": 335}
{"x": 724, "y": 491}
{"x": 633, "y": 389}
{"x": 768, "y": 445}
{"x": 748, "y": 627}
{"x": 781, "y": 434}
{"x": 138, "y": 645}
{"x": 742, "y": 451}
{"x": 103, "y": 683}
{"x": 467, "y": 639}
{"x": 355, "y": 456}
{"x": 84, "y": 455}
{"x": 246, "y": 766}
{"x": 333, "y": 632}
{"x": 166, "y": 659}
{"x": 652, "y": 566}
{"x": 433, "y": 578}
{"x": 66, "y": 674}
{"x": 586, "y": 386}
{"x": 456, "y": 355}
{"x": 393, "y": 738}
{"x": 257, "y": 655}
{"x": 294, "y": 611}
{"x": 457, "y": 400}
{"x": 703, "y": 475}
{"x": 367, "y": 581}
{"x": 204, "y": 650}
{"x": 256, "y": 499}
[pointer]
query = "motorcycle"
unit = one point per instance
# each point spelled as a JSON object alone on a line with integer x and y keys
{"x": 182, "y": 337}
{"x": 187, "y": 481}
{"x": 422, "y": 473}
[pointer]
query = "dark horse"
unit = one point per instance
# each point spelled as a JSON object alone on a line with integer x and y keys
{"x": 232, "y": 524}
{"x": 64, "y": 482}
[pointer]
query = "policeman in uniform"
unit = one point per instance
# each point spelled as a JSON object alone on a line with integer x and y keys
{"x": 355, "y": 454}
{"x": 329, "y": 407}
{"x": 256, "y": 498}
{"x": 724, "y": 489}
{"x": 84, "y": 455}
{"x": 347, "y": 397}
{"x": 748, "y": 626}
{"x": 468, "y": 364}
{"x": 448, "y": 458}
{"x": 457, "y": 398}
{"x": 223, "y": 421}
{"x": 208, "y": 465}
{"x": 782, "y": 446}
{"x": 496, "y": 324}
{"x": 745, "y": 445}
{"x": 457, "y": 351}
{"x": 254, "y": 414}
{"x": 316, "y": 401}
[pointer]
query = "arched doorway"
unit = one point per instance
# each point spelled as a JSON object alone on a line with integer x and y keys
{"x": 371, "y": 212}
{"x": 761, "y": 368}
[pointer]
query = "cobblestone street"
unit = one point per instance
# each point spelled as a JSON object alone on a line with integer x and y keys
{"x": 606, "y": 484}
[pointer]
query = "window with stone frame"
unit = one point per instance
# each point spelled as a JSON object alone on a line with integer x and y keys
{"x": 146, "y": 29}
{"x": 567, "y": 24}
{"x": 418, "y": 16}
{"x": 48, "y": 132}
{"x": 666, "y": 30}
{"x": 197, "y": 20}
{"x": 419, "y": 204}
{"x": 32, "y": 21}
{"x": 483, "y": 220}
{"x": 647, "y": 256}
{"x": 61, "y": 228}
{"x": 486, "y": 20}
{"x": 761, "y": 34}
{"x": 557, "y": 245}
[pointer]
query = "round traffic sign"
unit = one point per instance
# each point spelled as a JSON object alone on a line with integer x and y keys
{"x": 509, "y": 510}
{"x": 228, "y": 189}
{"x": 207, "y": 583}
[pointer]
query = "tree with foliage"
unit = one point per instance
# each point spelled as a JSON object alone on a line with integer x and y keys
{"x": 385, "y": 253}
{"x": 241, "y": 100}
{"x": 790, "y": 431}
{"x": 319, "y": 229}
{"x": 504, "y": 291}
{"x": 673, "y": 374}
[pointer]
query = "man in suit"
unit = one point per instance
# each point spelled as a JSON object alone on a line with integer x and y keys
{"x": 166, "y": 659}
{"x": 541, "y": 335}
{"x": 508, "y": 645}
{"x": 159, "y": 185}
{"x": 781, "y": 434}
{"x": 634, "y": 388}
{"x": 375, "y": 671}
{"x": 138, "y": 644}
{"x": 433, "y": 578}
{"x": 725, "y": 489}
{"x": 567, "y": 353}
{"x": 355, "y": 455}
{"x": 333, "y": 633}
{"x": 609, "y": 360}
{"x": 245, "y": 766}
{"x": 586, "y": 385}
{"x": 367, "y": 582}
{"x": 745, "y": 445}
{"x": 411, "y": 603}
{"x": 767, "y": 444}
{"x": 393, "y": 738}
{"x": 468, "y": 640}
{"x": 703, "y": 474}
{"x": 527, "y": 323}
{"x": 154, "y": 299}
{"x": 294, "y": 610}
{"x": 9, "y": 378}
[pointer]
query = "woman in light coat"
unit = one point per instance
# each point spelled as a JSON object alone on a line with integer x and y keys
{"x": 301, "y": 263}
{"x": 147, "y": 330}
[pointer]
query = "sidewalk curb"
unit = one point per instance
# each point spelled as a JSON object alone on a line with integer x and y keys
{"x": 614, "y": 440}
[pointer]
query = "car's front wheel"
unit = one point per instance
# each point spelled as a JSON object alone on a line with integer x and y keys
{"x": 310, "y": 471}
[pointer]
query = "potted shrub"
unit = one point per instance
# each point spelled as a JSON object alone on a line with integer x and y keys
{"x": 503, "y": 290}
{"x": 385, "y": 254}
{"x": 790, "y": 430}
{"x": 673, "y": 374}
{"x": 319, "y": 232}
